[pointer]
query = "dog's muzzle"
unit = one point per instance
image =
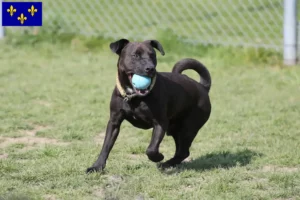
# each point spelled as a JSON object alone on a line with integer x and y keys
{"x": 131, "y": 92}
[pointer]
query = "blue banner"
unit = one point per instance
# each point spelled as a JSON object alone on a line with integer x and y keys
{"x": 22, "y": 14}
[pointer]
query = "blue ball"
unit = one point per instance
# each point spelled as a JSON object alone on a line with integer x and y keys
{"x": 140, "y": 82}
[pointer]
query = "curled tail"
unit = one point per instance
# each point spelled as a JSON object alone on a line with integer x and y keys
{"x": 189, "y": 63}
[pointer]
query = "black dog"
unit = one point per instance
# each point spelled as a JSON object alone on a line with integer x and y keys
{"x": 174, "y": 103}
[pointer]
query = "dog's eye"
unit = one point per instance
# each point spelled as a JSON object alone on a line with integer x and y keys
{"x": 135, "y": 56}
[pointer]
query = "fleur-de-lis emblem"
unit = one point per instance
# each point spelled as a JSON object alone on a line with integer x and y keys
{"x": 11, "y": 10}
{"x": 22, "y": 18}
{"x": 32, "y": 10}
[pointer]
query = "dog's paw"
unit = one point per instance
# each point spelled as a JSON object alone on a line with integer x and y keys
{"x": 165, "y": 165}
{"x": 94, "y": 169}
{"x": 155, "y": 156}
{"x": 173, "y": 162}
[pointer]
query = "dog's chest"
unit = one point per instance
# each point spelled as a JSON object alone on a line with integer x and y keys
{"x": 139, "y": 111}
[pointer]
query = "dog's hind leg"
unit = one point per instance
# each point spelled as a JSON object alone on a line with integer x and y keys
{"x": 184, "y": 136}
{"x": 180, "y": 153}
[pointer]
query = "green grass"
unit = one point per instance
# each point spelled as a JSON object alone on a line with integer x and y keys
{"x": 249, "y": 149}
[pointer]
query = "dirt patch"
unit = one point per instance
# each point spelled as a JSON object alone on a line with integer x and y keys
{"x": 115, "y": 178}
{"x": 135, "y": 156}
{"x": 27, "y": 148}
{"x": 30, "y": 143}
{"x": 3, "y": 156}
{"x": 286, "y": 199}
{"x": 35, "y": 130}
{"x": 2, "y": 140}
{"x": 272, "y": 168}
{"x": 188, "y": 188}
{"x": 44, "y": 103}
{"x": 100, "y": 138}
{"x": 30, "y": 139}
{"x": 50, "y": 197}
{"x": 99, "y": 192}
{"x": 140, "y": 197}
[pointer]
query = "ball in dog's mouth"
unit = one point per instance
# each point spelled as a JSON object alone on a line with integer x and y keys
{"x": 139, "y": 91}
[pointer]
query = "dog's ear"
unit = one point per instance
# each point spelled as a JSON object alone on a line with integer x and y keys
{"x": 155, "y": 44}
{"x": 117, "y": 46}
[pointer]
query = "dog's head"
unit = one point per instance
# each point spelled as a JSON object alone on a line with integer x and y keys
{"x": 136, "y": 57}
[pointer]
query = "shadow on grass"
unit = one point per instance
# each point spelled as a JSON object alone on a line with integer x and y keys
{"x": 224, "y": 160}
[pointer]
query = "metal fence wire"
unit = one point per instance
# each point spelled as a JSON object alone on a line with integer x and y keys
{"x": 255, "y": 23}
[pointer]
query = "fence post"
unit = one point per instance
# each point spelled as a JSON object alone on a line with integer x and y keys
{"x": 1, "y": 27}
{"x": 290, "y": 32}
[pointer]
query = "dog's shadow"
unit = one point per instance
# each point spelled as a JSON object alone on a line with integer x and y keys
{"x": 224, "y": 160}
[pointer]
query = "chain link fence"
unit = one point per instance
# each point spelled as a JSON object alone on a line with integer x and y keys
{"x": 249, "y": 23}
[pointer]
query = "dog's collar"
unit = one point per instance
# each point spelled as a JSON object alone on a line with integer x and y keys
{"x": 126, "y": 96}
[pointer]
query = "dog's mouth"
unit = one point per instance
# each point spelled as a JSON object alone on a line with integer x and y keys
{"x": 141, "y": 92}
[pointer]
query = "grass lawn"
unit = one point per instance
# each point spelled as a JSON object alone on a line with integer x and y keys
{"x": 54, "y": 109}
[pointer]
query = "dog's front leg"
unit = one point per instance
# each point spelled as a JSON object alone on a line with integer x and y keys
{"x": 112, "y": 132}
{"x": 153, "y": 148}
